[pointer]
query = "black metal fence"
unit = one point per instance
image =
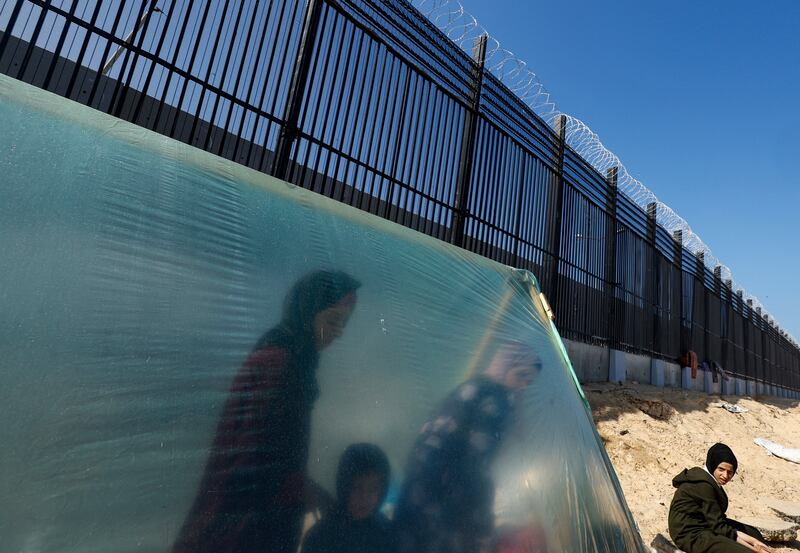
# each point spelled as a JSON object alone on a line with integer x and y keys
{"x": 366, "y": 102}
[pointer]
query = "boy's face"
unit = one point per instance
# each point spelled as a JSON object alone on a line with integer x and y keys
{"x": 723, "y": 473}
{"x": 520, "y": 377}
{"x": 365, "y": 495}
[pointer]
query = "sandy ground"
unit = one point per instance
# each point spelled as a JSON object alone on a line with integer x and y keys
{"x": 648, "y": 452}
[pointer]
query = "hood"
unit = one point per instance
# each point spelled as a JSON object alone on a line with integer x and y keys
{"x": 357, "y": 460}
{"x": 694, "y": 474}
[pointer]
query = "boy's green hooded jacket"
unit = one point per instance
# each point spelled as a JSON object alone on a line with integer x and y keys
{"x": 699, "y": 505}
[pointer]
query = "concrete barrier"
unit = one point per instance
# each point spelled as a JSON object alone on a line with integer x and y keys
{"x": 729, "y": 387}
{"x": 616, "y": 366}
{"x": 638, "y": 368}
{"x": 686, "y": 378}
{"x": 589, "y": 361}
{"x": 672, "y": 375}
{"x": 594, "y": 363}
{"x": 708, "y": 386}
{"x": 658, "y": 369}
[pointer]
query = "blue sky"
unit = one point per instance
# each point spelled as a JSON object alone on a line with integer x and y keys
{"x": 699, "y": 100}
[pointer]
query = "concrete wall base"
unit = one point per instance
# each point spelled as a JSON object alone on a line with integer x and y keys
{"x": 729, "y": 387}
{"x": 616, "y": 366}
{"x": 672, "y": 375}
{"x": 708, "y": 385}
{"x": 637, "y": 368}
{"x": 596, "y": 363}
{"x": 589, "y": 361}
{"x": 658, "y": 369}
{"x": 686, "y": 378}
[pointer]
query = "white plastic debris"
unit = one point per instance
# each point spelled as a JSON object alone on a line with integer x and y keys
{"x": 731, "y": 407}
{"x": 779, "y": 450}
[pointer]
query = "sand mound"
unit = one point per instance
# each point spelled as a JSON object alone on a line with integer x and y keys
{"x": 651, "y": 434}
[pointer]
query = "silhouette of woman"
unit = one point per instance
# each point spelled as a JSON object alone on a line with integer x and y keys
{"x": 254, "y": 491}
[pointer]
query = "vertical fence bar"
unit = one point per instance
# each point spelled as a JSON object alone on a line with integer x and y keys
{"x": 141, "y": 27}
{"x": 739, "y": 299}
{"x": 10, "y": 25}
{"x": 467, "y": 154}
{"x": 554, "y": 211}
{"x": 387, "y": 206}
{"x": 758, "y": 326}
{"x": 747, "y": 335}
{"x": 610, "y": 272}
{"x": 523, "y": 171}
{"x": 729, "y": 315}
{"x": 718, "y": 292}
{"x": 653, "y": 279}
{"x": 294, "y": 101}
{"x": 58, "y": 49}
{"x": 677, "y": 237}
{"x": 700, "y": 275}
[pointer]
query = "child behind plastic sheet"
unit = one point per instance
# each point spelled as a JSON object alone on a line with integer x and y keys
{"x": 356, "y": 525}
{"x": 697, "y": 521}
{"x": 447, "y": 499}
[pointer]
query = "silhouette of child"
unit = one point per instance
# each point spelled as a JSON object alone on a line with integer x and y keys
{"x": 356, "y": 525}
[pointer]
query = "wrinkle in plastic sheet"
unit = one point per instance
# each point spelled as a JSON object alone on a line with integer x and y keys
{"x": 140, "y": 281}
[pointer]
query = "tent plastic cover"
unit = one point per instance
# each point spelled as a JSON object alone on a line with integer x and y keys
{"x": 139, "y": 277}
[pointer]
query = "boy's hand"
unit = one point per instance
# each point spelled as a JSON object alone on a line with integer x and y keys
{"x": 317, "y": 498}
{"x": 752, "y": 544}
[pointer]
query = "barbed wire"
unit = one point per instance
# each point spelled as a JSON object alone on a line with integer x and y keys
{"x": 463, "y": 29}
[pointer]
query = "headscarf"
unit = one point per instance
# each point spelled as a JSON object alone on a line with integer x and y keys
{"x": 512, "y": 355}
{"x": 720, "y": 453}
{"x": 358, "y": 460}
{"x": 310, "y": 295}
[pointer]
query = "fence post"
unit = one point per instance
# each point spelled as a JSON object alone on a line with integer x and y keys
{"x": 294, "y": 101}
{"x": 770, "y": 339}
{"x": 677, "y": 260}
{"x": 467, "y": 153}
{"x": 701, "y": 276}
{"x": 729, "y": 314}
{"x": 555, "y": 207}
{"x": 653, "y": 281}
{"x": 759, "y": 324}
{"x": 610, "y": 271}
{"x": 718, "y": 292}
{"x": 747, "y": 324}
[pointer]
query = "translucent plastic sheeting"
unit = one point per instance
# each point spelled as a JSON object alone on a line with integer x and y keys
{"x": 188, "y": 347}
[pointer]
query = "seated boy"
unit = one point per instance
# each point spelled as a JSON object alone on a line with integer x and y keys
{"x": 356, "y": 525}
{"x": 697, "y": 521}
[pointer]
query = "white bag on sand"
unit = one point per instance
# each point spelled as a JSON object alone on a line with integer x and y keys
{"x": 778, "y": 450}
{"x": 732, "y": 408}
